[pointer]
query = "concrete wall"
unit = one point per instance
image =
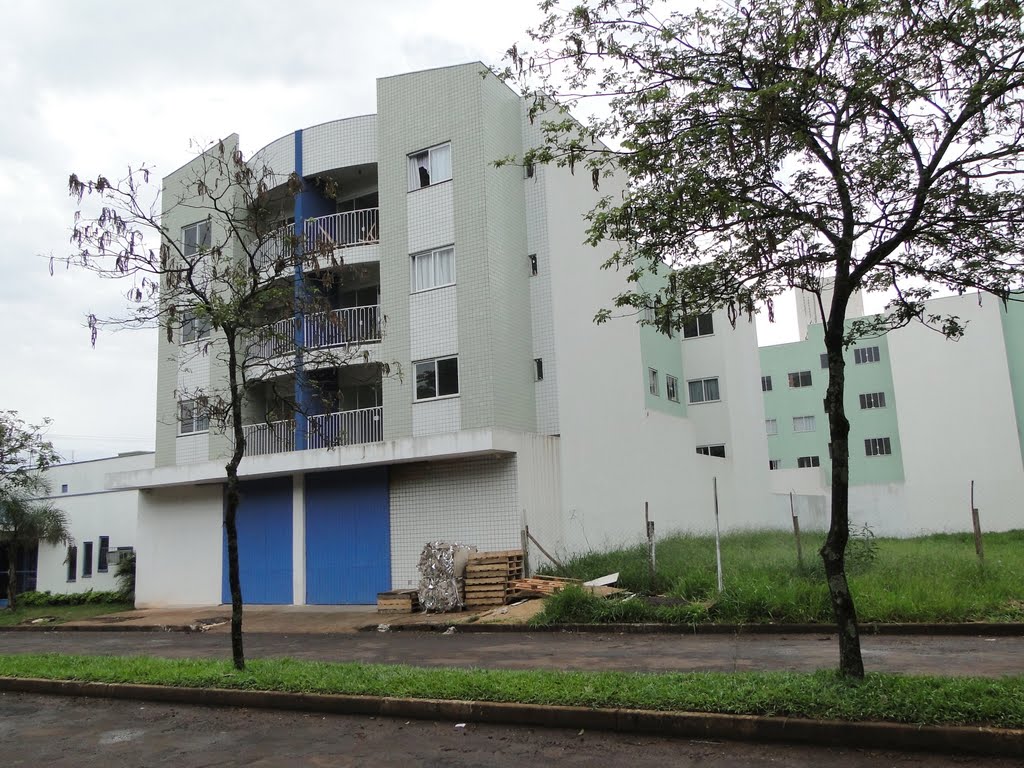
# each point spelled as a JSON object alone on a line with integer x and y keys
{"x": 180, "y": 548}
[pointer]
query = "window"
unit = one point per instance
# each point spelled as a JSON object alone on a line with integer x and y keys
{"x": 774, "y": 463}
{"x": 538, "y": 369}
{"x": 771, "y": 426}
{"x": 701, "y": 325}
{"x": 437, "y": 378}
{"x": 528, "y": 170}
{"x": 433, "y": 269}
{"x": 102, "y": 560}
{"x": 431, "y": 166}
{"x": 872, "y": 400}
{"x": 64, "y": 488}
{"x": 766, "y": 383}
{"x": 803, "y": 423}
{"x": 672, "y": 388}
{"x": 652, "y": 382}
{"x": 533, "y": 264}
{"x": 195, "y": 238}
{"x": 191, "y": 418}
{"x": 72, "y": 563}
{"x": 703, "y": 390}
{"x": 824, "y": 360}
{"x": 866, "y": 355}
{"x": 800, "y": 379}
{"x": 711, "y": 450}
{"x": 649, "y": 315}
{"x": 193, "y": 328}
{"x": 806, "y": 462}
{"x": 877, "y": 446}
{"x": 87, "y": 560}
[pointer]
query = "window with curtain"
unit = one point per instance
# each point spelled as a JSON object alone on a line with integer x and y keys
{"x": 433, "y": 269}
{"x": 430, "y": 166}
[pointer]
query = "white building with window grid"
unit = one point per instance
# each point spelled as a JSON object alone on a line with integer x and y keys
{"x": 513, "y": 408}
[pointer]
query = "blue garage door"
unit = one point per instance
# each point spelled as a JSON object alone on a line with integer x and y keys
{"x": 348, "y": 538}
{"x": 264, "y": 543}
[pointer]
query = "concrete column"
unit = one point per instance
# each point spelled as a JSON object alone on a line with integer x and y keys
{"x": 299, "y": 539}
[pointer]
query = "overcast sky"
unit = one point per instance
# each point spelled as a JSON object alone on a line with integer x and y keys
{"x": 93, "y": 87}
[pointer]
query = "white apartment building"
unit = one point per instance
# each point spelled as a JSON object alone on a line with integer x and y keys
{"x": 514, "y": 409}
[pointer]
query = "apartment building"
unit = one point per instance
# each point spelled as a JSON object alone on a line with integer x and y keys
{"x": 513, "y": 408}
{"x": 928, "y": 417}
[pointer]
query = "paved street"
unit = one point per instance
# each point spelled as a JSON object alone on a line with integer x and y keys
{"x": 57, "y": 731}
{"x": 555, "y": 650}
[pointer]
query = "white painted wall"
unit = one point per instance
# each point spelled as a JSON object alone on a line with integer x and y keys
{"x": 180, "y": 548}
{"x": 956, "y": 423}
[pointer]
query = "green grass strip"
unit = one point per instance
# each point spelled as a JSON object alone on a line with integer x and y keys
{"x": 823, "y": 694}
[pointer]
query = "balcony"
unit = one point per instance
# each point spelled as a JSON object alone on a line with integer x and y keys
{"x": 328, "y": 430}
{"x": 321, "y": 235}
{"x": 352, "y": 325}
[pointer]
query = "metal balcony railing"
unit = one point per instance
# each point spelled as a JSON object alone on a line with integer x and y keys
{"x": 327, "y": 430}
{"x": 353, "y": 325}
{"x": 342, "y": 230}
{"x": 279, "y": 245}
{"x": 346, "y": 428}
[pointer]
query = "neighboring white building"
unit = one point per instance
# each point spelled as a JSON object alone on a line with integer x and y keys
{"x": 928, "y": 416}
{"x": 514, "y": 409}
{"x": 102, "y": 521}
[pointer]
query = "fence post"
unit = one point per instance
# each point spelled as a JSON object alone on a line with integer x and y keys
{"x": 796, "y": 531}
{"x": 718, "y": 538}
{"x": 976, "y": 520}
{"x": 650, "y": 544}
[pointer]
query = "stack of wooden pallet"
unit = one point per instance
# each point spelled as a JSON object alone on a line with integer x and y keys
{"x": 488, "y": 576}
{"x": 399, "y": 601}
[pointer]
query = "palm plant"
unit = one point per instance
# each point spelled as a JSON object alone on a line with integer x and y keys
{"x": 26, "y": 519}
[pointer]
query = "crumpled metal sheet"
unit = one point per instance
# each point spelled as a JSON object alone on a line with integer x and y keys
{"x": 442, "y": 568}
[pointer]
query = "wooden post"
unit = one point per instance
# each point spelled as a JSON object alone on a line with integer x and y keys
{"x": 650, "y": 544}
{"x": 976, "y": 520}
{"x": 796, "y": 531}
{"x": 546, "y": 554}
{"x": 525, "y": 546}
{"x": 718, "y": 538}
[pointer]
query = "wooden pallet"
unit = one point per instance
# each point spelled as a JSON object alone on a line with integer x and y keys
{"x": 542, "y": 585}
{"x": 488, "y": 575}
{"x": 399, "y": 601}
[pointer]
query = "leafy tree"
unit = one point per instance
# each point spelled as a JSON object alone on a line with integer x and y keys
{"x": 232, "y": 273}
{"x": 828, "y": 146}
{"x": 26, "y": 520}
{"x": 24, "y": 452}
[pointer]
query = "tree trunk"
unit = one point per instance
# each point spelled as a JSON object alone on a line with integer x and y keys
{"x": 12, "y": 573}
{"x": 231, "y": 504}
{"x": 833, "y": 551}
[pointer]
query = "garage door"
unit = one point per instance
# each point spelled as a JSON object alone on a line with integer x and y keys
{"x": 264, "y": 543}
{"x": 348, "y": 539}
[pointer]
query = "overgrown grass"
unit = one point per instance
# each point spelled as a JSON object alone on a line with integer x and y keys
{"x": 930, "y": 579}
{"x": 916, "y": 700}
{"x": 60, "y": 614}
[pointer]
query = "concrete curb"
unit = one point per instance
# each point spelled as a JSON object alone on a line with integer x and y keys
{"x": 872, "y": 735}
{"x": 971, "y": 630}
{"x": 100, "y": 628}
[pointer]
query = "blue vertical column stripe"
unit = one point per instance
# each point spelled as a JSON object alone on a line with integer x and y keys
{"x": 302, "y": 390}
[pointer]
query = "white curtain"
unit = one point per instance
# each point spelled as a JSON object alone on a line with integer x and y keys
{"x": 444, "y": 266}
{"x": 422, "y": 277}
{"x": 440, "y": 163}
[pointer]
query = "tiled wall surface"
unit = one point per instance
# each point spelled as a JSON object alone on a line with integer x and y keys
{"x": 470, "y": 502}
{"x": 432, "y": 417}
{"x": 431, "y": 218}
{"x": 339, "y": 143}
{"x": 278, "y": 157}
{"x": 433, "y": 324}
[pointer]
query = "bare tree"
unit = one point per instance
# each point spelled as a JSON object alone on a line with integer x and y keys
{"x": 234, "y": 282}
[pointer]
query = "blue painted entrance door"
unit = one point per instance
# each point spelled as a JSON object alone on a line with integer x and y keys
{"x": 264, "y": 543}
{"x": 348, "y": 537}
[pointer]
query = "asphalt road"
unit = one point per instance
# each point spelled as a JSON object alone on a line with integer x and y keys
{"x": 549, "y": 650}
{"x": 57, "y": 731}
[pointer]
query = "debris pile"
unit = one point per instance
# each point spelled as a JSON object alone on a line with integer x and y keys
{"x": 442, "y": 566}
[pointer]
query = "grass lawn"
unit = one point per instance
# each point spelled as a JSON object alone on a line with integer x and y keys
{"x": 929, "y": 579}
{"x": 62, "y": 613}
{"x": 917, "y": 700}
